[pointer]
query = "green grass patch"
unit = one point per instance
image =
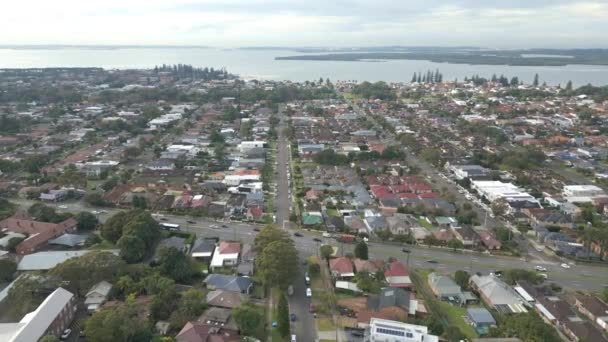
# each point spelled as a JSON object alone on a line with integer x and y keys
{"x": 325, "y": 324}
{"x": 425, "y": 223}
{"x": 455, "y": 317}
{"x": 333, "y": 212}
{"x": 104, "y": 244}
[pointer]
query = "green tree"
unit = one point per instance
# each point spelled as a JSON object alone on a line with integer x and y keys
{"x": 95, "y": 199}
{"x": 191, "y": 306}
{"x": 528, "y": 327}
{"x": 283, "y": 315}
{"x": 499, "y": 207}
{"x": 270, "y": 234}
{"x": 249, "y": 318}
{"x": 13, "y": 243}
{"x": 110, "y": 183}
{"x": 569, "y": 86}
{"x": 132, "y": 248}
{"x": 366, "y": 282}
{"x": 361, "y": 250}
{"x": 119, "y": 324}
{"x": 277, "y": 264}
{"x": 176, "y": 265}
{"x": 7, "y": 270}
{"x": 535, "y": 82}
{"x": 455, "y": 244}
{"x": 314, "y": 269}
{"x": 326, "y": 251}
{"x": 453, "y": 334}
{"x": 462, "y": 278}
{"x": 83, "y": 272}
{"x": 86, "y": 221}
{"x": 112, "y": 228}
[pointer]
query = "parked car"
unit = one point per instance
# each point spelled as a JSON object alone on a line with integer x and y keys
{"x": 317, "y": 240}
{"x": 432, "y": 261}
{"x": 66, "y": 334}
{"x": 564, "y": 265}
{"x": 308, "y": 292}
{"x": 311, "y": 308}
{"x": 405, "y": 250}
{"x": 292, "y": 317}
{"x": 297, "y": 234}
{"x": 540, "y": 268}
{"x": 191, "y": 222}
{"x": 256, "y": 229}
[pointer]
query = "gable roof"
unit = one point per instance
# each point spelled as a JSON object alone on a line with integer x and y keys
{"x": 480, "y": 316}
{"x": 103, "y": 288}
{"x": 228, "y": 282}
{"x": 365, "y": 265}
{"x": 227, "y": 247}
{"x": 341, "y": 265}
{"x": 225, "y": 299}
{"x": 443, "y": 285}
{"x": 388, "y": 297}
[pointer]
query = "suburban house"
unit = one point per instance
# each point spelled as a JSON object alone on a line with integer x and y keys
{"x": 489, "y": 241}
{"x": 203, "y": 332}
{"x": 39, "y": 233}
{"x": 54, "y": 195}
{"x": 386, "y": 330}
{"x": 225, "y": 299}
{"x": 341, "y": 267}
{"x": 446, "y": 289}
{"x": 203, "y": 249}
{"x": 229, "y": 283}
{"x": 161, "y": 165}
{"x": 97, "y": 296}
{"x": 226, "y": 254}
{"x": 365, "y": 265}
{"x": 51, "y": 317}
{"x": 497, "y": 294}
{"x": 481, "y": 319}
{"x": 594, "y": 309}
{"x": 397, "y": 275}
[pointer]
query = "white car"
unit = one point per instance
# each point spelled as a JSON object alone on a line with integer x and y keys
{"x": 63, "y": 207}
{"x": 540, "y": 268}
{"x": 66, "y": 334}
{"x": 564, "y": 265}
{"x": 308, "y": 292}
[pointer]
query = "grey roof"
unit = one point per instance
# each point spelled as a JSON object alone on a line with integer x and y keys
{"x": 69, "y": 240}
{"x": 389, "y": 296}
{"x": 228, "y": 282}
{"x": 444, "y": 285}
{"x": 48, "y": 260}
{"x": 480, "y": 316}
{"x": 103, "y": 288}
{"x": 203, "y": 245}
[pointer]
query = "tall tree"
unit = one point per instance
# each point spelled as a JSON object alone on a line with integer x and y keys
{"x": 413, "y": 78}
{"x": 569, "y": 86}
{"x": 283, "y": 315}
{"x": 326, "y": 251}
{"x": 277, "y": 264}
{"x": 535, "y": 82}
{"x": 361, "y": 250}
{"x": 86, "y": 221}
{"x": 176, "y": 265}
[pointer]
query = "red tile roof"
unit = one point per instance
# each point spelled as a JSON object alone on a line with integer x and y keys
{"x": 39, "y": 232}
{"x": 396, "y": 269}
{"x": 229, "y": 247}
{"x": 341, "y": 265}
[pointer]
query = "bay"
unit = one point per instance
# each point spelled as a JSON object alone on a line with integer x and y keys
{"x": 260, "y": 64}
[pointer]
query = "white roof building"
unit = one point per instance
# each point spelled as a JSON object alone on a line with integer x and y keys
{"x": 47, "y": 260}
{"x": 381, "y": 330}
{"x": 494, "y": 190}
{"x": 582, "y": 193}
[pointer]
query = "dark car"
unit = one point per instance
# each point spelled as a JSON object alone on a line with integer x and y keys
{"x": 432, "y": 261}
{"x": 191, "y": 222}
{"x": 292, "y": 317}
{"x": 224, "y": 226}
{"x": 357, "y": 333}
{"x": 317, "y": 240}
{"x": 256, "y": 229}
{"x": 405, "y": 250}
{"x": 297, "y": 234}
{"x": 163, "y": 219}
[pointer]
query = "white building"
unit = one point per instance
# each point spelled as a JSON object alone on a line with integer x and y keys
{"x": 383, "y": 330}
{"x": 582, "y": 193}
{"x": 495, "y": 190}
{"x": 469, "y": 171}
{"x": 249, "y": 145}
{"x": 164, "y": 120}
{"x": 234, "y": 180}
{"x": 190, "y": 150}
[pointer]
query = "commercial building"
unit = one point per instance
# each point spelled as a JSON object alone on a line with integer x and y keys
{"x": 495, "y": 190}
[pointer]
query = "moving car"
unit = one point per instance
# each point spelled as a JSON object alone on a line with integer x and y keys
{"x": 306, "y": 278}
{"x": 256, "y": 229}
{"x": 297, "y": 234}
{"x": 540, "y": 268}
{"x": 293, "y": 338}
{"x": 191, "y": 222}
{"x": 405, "y": 250}
{"x": 432, "y": 261}
{"x": 564, "y": 265}
{"x": 317, "y": 240}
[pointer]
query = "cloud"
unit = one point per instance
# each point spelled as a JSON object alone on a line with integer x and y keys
{"x": 229, "y": 23}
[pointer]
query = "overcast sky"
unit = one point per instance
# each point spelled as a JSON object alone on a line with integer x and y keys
{"x": 233, "y": 23}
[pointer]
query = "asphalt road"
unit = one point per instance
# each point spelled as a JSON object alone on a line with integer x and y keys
{"x": 298, "y": 302}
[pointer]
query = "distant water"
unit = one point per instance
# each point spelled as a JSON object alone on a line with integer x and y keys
{"x": 262, "y": 65}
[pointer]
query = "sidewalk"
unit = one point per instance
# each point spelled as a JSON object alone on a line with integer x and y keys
{"x": 338, "y": 335}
